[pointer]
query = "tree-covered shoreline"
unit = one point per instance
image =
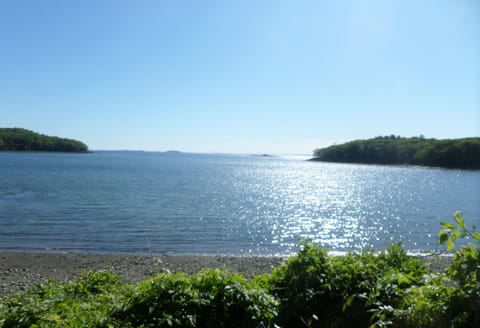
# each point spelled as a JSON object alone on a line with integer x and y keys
{"x": 449, "y": 153}
{"x": 18, "y": 139}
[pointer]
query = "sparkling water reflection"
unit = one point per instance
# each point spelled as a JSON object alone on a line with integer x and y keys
{"x": 217, "y": 204}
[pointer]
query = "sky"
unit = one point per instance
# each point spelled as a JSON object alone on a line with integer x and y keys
{"x": 263, "y": 76}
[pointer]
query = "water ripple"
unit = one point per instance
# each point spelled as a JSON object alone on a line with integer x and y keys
{"x": 222, "y": 204}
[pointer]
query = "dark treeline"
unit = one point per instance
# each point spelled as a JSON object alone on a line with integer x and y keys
{"x": 16, "y": 139}
{"x": 450, "y": 153}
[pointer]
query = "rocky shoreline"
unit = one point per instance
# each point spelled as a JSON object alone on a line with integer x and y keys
{"x": 22, "y": 270}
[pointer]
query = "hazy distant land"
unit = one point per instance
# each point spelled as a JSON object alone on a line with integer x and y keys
{"x": 449, "y": 153}
{"x": 17, "y": 139}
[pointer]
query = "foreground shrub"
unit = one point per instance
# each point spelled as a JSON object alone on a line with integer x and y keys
{"x": 317, "y": 290}
{"x": 210, "y": 298}
{"x": 229, "y": 300}
{"x": 86, "y": 302}
{"x": 465, "y": 271}
{"x": 165, "y": 300}
{"x": 451, "y": 299}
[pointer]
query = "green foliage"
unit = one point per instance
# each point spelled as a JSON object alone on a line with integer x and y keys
{"x": 85, "y": 302}
{"x": 166, "y": 300}
{"x": 466, "y": 261}
{"x": 455, "y": 153}
{"x": 303, "y": 285}
{"x": 230, "y": 299}
{"x": 454, "y": 231}
{"x": 465, "y": 270}
{"x": 426, "y": 305}
{"x": 24, "y": 140}
{"x": 317, "y": 290}
{"x": 209, "y": 298}
{"x": 453, "y": 298}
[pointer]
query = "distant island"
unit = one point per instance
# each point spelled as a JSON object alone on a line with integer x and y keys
{"x": 17, "y": 139}
{"x": 263, "y": 155}
{"x": 449, "y": 153}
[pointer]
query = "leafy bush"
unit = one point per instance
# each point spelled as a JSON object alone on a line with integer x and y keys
{"x": 426, "y": 305}
{"x": 451, "y": 299}
{"x": 304, "y": 286}
{"x": 209, "y": 298}
{"x": 465, "y": 270}
{"x": 451, "y": 232}
{"x": 229, "y": 300}
{"x": 87, "y": 301}
{"x": 317, "y": 290}
{"x": 165, "y": 300}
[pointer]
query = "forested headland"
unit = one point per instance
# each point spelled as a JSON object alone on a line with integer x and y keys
{"x": 17, "y": 139}
{"x": 449, "y": 153}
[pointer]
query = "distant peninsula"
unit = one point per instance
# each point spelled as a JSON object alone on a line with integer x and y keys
{"x": 17, "y": 139}
{"x": 449, "y": 153}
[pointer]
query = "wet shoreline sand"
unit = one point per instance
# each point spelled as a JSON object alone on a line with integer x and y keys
{"x": 22, "y": 270}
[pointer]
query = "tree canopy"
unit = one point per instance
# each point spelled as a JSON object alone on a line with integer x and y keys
{"x": 17, "y": 139}
{"x": 450, "y": 153}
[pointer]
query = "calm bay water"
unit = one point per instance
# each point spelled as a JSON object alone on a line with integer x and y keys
{"x": 172, "y": 203}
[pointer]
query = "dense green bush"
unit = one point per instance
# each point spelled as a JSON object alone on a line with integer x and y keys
{"x": 450, "y": 299}
{"x": 210, "y": 298}
{"x": 317, "y": 290}
{"x": 311, "y": 289}
{"x": 86, "y": 302}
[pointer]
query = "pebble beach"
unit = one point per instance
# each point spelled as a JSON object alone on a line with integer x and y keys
{"x": 22, "y": 270}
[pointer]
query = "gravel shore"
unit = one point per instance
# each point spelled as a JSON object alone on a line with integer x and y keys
{"x": 22, "y": 270}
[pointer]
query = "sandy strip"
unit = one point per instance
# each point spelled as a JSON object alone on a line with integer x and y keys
{"x": 22, "y": 270}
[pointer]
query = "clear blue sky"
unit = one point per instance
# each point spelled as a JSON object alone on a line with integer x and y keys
{"x": 244, "y": 76}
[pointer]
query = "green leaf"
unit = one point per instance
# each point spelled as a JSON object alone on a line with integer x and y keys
{"x": 448, "y": 225}
{"x": 442, "y": 237}
{"x": 348, "y": 302}
{"x": 455, "y": 234}
{"x": 476, "y": 236}
{"x": 450, "y": 244}
{"x": 459, "y": 219}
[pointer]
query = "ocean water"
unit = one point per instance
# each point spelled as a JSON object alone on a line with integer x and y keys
{"x": 176, "y": 203}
